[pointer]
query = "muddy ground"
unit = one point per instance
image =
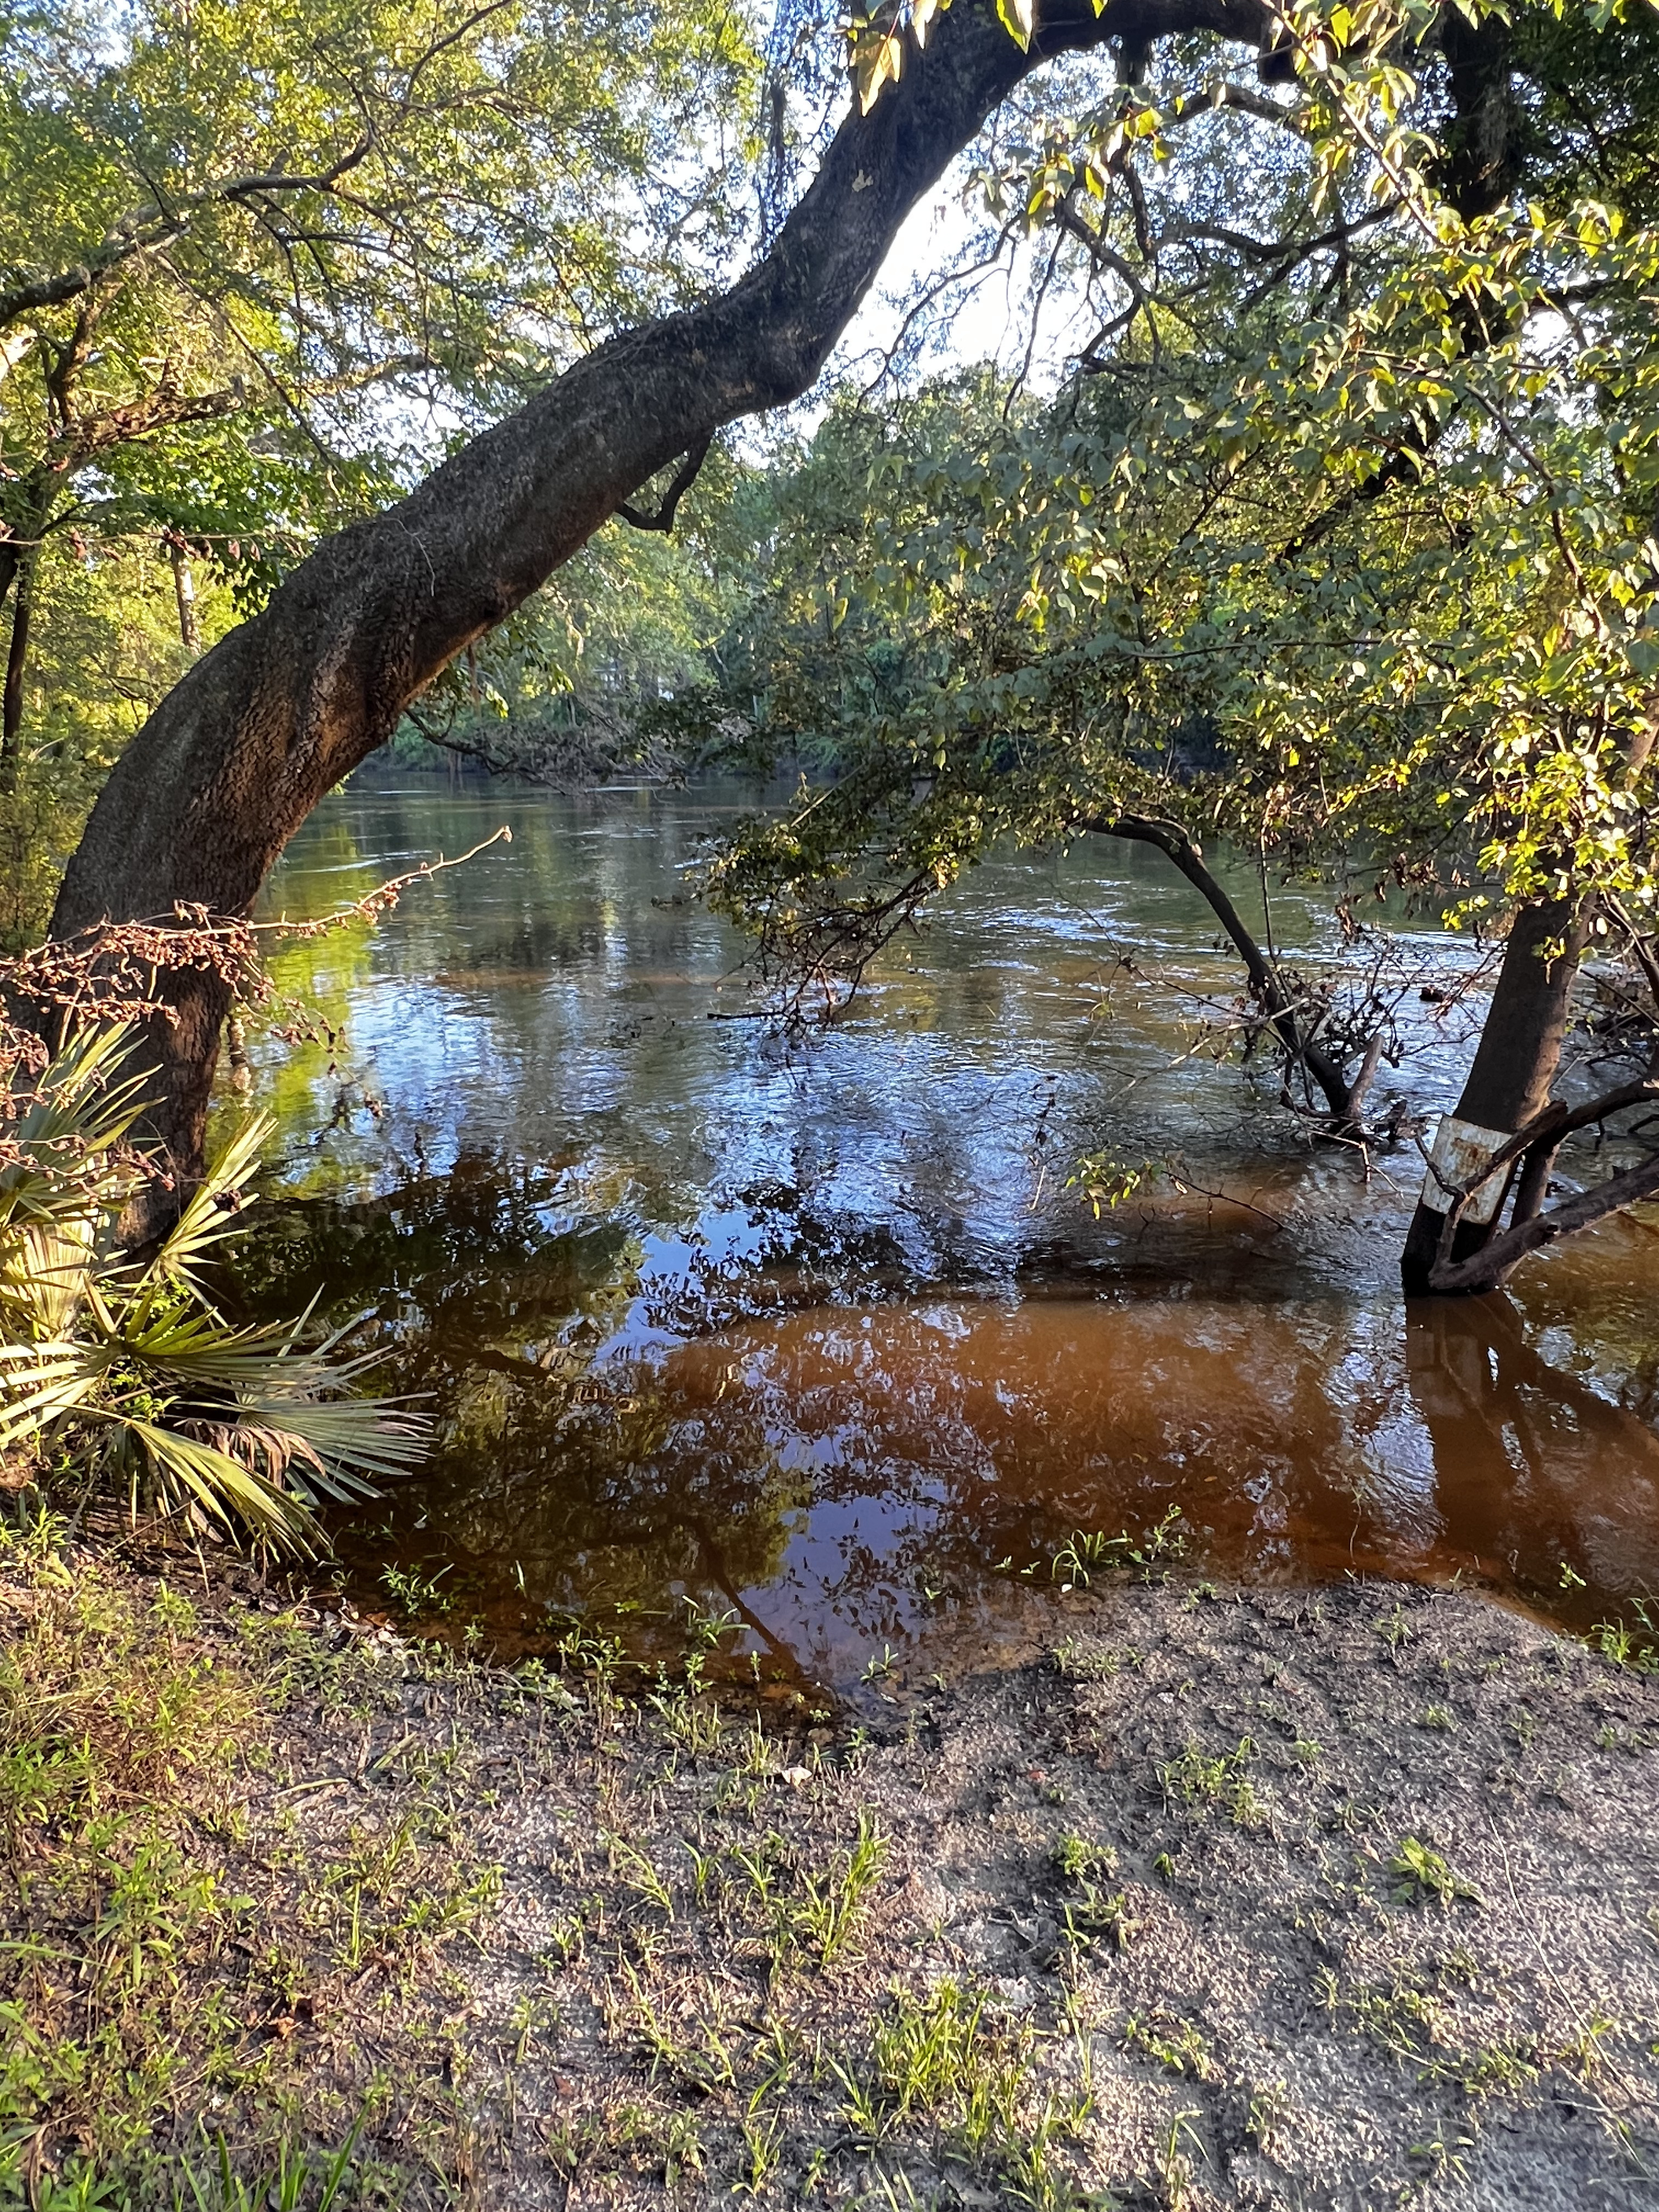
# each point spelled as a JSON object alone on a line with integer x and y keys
{"x": 1321, "y": 1899}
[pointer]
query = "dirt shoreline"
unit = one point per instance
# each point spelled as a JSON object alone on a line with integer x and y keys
{"x": 1266, "y": 1899}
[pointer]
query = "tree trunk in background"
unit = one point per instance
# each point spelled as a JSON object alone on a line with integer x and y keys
{"x": 17, "y": 653}
{"x": 1509, "y": 1083}
{"x": 235, "y": 757}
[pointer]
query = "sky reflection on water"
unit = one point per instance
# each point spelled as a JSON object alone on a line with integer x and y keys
{"x": 847, "y": 1342}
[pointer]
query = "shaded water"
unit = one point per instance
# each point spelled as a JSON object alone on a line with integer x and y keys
{"x": 814, "y": 1334}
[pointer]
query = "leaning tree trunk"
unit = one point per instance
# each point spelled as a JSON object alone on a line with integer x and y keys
{"x": 1508, "y": 1086}
{"x": 235, "y": 757}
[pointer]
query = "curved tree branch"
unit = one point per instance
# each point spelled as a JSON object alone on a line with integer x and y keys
{"x": 684, "y": 477}
{"x": 1342, "y": 1097}
{"x": 146, "y": 229}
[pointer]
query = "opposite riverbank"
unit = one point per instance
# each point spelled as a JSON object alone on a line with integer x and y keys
{"x": 1261, "y": 1900}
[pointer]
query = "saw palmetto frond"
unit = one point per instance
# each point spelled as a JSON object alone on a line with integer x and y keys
{"x": 131, "y": 1364}
{"x": 211, "y": 1215}
{"x": 39, "y": 1384}
{"x": 190, "y": 1472}
{"x": 62, "y": 1153}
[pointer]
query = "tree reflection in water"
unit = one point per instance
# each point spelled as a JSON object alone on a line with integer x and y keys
{"x": 811, "y": 1330}
{"x": 841, "y": 1475}
{"x": 1535, "y": 1470}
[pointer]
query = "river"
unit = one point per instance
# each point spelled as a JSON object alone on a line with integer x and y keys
{"x": 809, "y": 1339}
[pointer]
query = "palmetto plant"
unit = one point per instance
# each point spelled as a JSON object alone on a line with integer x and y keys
{"x": 125, "y": 1367}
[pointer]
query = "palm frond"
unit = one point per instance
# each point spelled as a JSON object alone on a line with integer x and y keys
{"x": 283, "y": 1458}
{"x": 64, "y": 1135}
{"x": 193, "y": 1342}
{"x": 189, "y": 1471}
{"x": 119, "y": 1361}
{"x": 44, "y": 1269}
{"x": 353, "y": 1443}
{"x": 40, "y": 1383}
{"x": 211, "y": 1214}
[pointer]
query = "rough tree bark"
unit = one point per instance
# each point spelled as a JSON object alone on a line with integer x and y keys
{"x": 17, "y": 651}
{"x": 232, "y": 761}
{"x": 1508, "y": 1086}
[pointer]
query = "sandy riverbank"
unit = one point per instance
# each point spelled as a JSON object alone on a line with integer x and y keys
{"x": 1321, "y": 1899}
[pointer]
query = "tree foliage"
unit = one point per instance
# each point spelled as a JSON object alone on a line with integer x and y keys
{"x": 1351, "y": 563}
{"x": 259, "y": 268}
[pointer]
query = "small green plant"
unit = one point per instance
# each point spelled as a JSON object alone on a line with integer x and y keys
{"x": 1083, "y": 1556}
{"x": 296, "y": 2184}
{"x": 925, "y": 2048}
{"x": 1424, "y": 1873}
{"x": 682, "y": 2148}
{"x": 1193, "y": 1779}
{"x": 704, "y": 1866}
{"x": 1078, "y": 1859}
{"x": 1267, "y": 2122}
{"x": 698, "y": 2057}
{"x": 1396, "y": 1631}
{"x": 1107, "y": 1182}
{"x": 1504, "y": 2069}
{"x": 532, "y": 2016}
{"x": 827, "y": 1913}
{"x": 1175, "y": 2165}
{"x": 1167, "y": 1541}
{"x": 692, "y": 1719}
{"x": 763, "y": 2145}
{"x": 1093, "y": 1913}
{"x": 640, "y": 1874}
{"x": 1177, "y": 2045}
{"x": 1440, "y": 2160}
{"x": 1626, "y": 1645}
{"x": 414, "y": 1592}
{"x": 1083, "y": 1659}
{"x": 1080, "y": 1556}
{"x": 707, "y": 1629}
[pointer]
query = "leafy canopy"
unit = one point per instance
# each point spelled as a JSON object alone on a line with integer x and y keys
{"x": 1343, "y": 546}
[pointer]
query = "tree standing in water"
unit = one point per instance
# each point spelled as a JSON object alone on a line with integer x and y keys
{"x": 1363, "y": 585}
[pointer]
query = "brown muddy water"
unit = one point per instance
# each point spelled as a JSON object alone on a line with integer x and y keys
{"x": 810, "y": 1337}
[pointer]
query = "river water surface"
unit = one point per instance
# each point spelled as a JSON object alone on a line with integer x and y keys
{"x": 812, "y": 1332}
